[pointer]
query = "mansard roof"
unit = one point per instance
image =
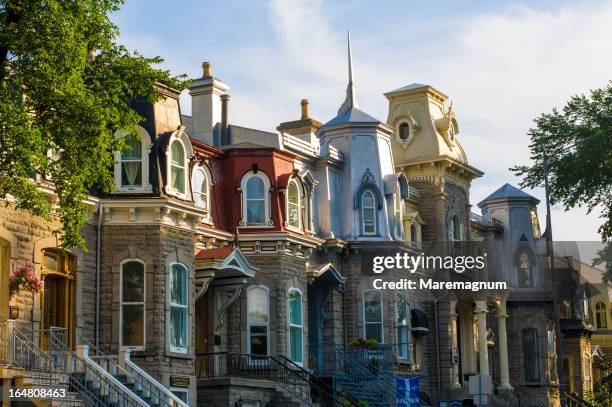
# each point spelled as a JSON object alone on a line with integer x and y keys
{"x": 509, "y": 192}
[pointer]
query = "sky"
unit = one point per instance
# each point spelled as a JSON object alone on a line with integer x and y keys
{"x": 501, "y": 63}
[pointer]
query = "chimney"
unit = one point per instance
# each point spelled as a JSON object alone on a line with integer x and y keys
{"x": 305, "y": 109}
{"x": 224, "y": 122}
{"x": 206, "y": 104}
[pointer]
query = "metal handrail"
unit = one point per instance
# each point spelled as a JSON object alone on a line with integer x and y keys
{"x": 516, "y": 399}
{"x": 88, "y": 378}
{"x": 574, "y": 401}
{"x": 141, "y": 380}
{"x": 295, "y": 381}
{"x": 337, "y": 397}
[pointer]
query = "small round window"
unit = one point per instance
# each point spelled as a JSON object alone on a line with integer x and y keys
{"x": 404, "y": 131}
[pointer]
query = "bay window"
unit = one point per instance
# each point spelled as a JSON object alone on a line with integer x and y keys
{"x": 373, "y": 315}
{"x": 178, "y": 308}
{"x": 132, "y": 316}
{"x": 258, "y": 320}
{"x": 296, "y": 327}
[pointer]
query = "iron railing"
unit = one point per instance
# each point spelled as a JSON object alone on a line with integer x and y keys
{"x": 512, "y": 398}
{"x": 142, "y": 382}
{"x": 294, "y": 379}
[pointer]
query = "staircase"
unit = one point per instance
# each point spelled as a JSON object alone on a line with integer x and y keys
{"x": 78, "y": 378}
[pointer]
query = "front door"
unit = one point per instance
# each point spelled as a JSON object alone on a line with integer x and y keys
{"x": 57, "y": 298}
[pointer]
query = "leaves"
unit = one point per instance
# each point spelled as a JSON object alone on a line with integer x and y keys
{"x": 578, "y": 142}
{"x": 65, "y": 89}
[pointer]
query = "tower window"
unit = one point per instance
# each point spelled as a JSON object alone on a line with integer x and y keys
{"x": 368, "y": 213}
{"x": 404, "y": 131}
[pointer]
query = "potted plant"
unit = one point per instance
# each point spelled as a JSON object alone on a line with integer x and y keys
{"x": 24, "y": 278}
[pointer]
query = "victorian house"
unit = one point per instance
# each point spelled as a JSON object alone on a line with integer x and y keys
{"x": 232, "y": 266}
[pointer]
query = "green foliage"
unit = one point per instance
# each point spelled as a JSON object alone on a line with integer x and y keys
{"x": 578, "y": 142}
{"x": 65, "y": 88}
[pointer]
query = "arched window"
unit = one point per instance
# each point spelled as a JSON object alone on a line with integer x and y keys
{"x": 294, "y": 208}
{"x": 397, "y": 208}
{"x": 132, "y": 315}
{"x": 414, "y": 237}
{"x": 177, "y": 167}
{"x": 200, "y": 185}
{"x": 296, "y": 326}
{"x": 525, "y": 276}
{"x": 601, "y": 317}
{"x": 368, "y": 213}
{"x": 401, "y": 322}
{"x": 373, "y": 315}
{"x": 178, "y": 308}
{"x": 456, "y": 229}
{"x": 404, "y": 131}
{"x": 531, "y": 362}
{"x": 258, "y": 320}
{"x": 255, "y": 191}
{"x": 131, "y": 164}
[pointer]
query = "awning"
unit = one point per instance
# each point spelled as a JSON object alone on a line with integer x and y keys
{"x": 418, "y": 320}
{"x": 321, "y": 275}
{"x": 221, "y": 266}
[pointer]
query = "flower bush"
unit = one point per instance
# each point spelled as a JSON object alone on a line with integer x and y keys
{"x": 362, "y": 343}
{"x": 24, "y": 278}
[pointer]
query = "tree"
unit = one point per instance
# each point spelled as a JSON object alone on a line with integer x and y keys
{"x": 578, "y": 142}
{"x": 65, "y": 89}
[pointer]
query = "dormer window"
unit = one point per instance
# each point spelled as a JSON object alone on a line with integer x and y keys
{"x": 525, "y": 276}
{"x": 255, "y": 199}
{"x": 177, "y": 167}
{"x": 294, "y": 209}
{"x": 132, "y": 164}
{"x": 368, "y": 213}
{"x": 200, "y": 185}
{"x": 178, "y": 154}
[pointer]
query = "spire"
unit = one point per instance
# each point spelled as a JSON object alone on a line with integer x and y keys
{"x": 351, "y": 100}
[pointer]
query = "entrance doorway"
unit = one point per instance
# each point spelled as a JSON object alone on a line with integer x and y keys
{"x": 57, "y": 298}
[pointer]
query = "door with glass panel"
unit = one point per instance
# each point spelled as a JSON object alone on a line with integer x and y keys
{"x": 57, "y": 298}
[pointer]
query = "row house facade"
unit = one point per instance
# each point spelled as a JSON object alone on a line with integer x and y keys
{"x": 226, "y": 255}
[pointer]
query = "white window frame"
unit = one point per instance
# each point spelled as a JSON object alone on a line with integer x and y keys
{"x": 299, "y": 204}
{"x": 173, "y": 305}
{"x": 375, "y": 213}
{"x": 146, "y": 144}
{"x": 266, "y": 324}
{"x": 244, "y": 198}
{"x": 290, "y": 325}
{"x": 180, "y": 136}
{"x": 398, "y": 212}
{"x": 382, "y": 314}
{"x": 406, "y": 325}
{"x": 143, "y": 303}
{"x": 196, "y": 189}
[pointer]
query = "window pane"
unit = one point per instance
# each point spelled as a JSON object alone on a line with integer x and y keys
{"x": 295, "y": 308}
{"x": 372, "y": 306}
{"x": 413, "y": 233}
{"x": 182, "y": 395}
{"x": 404, "y": 131}
{"x": 295, "y": 345}
{"x": 50, "y": 260}
{"x": 178, "y": 179}
{"x": 132, "y": 325}
{"x": 259, "y": 340}
{"x": 456, "y": 228}
{"x": 178, "y": 156}
{"x": 255, "y": 188}
{"x": 368, "y": 200}
{"x": 257, "y": 305}
{"x": 402, "y": 339}
{"x": 178, "y": 327}
{"x": 133, "y": 150}
{"x": 402, "y": 311}
{"x": 131, "y": 173}
{"x": 178, "y": 285}
{"x": 530, "y": 350}
{"x": 374, "y": 331}
{"x": 255, "y": 212}
{"x": 132, "y": 288}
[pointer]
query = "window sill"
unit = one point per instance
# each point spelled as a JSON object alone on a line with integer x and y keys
{"x": 179, "y": 355}
{"x": 256, "y": 227}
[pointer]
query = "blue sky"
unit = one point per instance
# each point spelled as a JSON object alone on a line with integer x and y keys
{"x": 501, "y": 63}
